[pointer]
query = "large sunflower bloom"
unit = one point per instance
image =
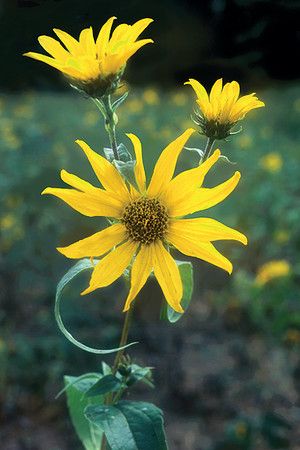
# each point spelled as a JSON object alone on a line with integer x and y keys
{"x": 222, "y": 108}
{"x": 94, "y": 65}
{"x": 148, "y": 220}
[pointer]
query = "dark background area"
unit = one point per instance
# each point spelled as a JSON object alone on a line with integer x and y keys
{"x": 254, "y": 41}
{"x": 228, "y": 374}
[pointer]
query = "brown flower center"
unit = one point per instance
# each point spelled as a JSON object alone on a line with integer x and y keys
{"x": 146, "y": 220}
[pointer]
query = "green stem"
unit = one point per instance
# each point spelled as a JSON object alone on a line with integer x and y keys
{"x": 208, "y": 148}
{"x": 110, "y": 119}
{"x": 123, "y": 341}
{"x": 110, "y": 124}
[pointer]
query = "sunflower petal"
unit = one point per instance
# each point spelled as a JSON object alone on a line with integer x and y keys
{"x": 184, "y": 184}
{"x": 107, "y": 174}
{"x": 103, "y": 38}
{"x": 54, "y": 48}
{"x": 165, "y": 166}
{"x": 76, "y": 182}
{"x": 133, "y": 48}
{"x": 92, "y": 204}
{"x": 205, "y": 229}
{"x": 168, "y": 276}
{"x": 139, "y": 170}
{"x": 191, "y": 246}
{"x": 140, "y": 272}
{"x": 138, "y": 27}
{"x": 205, "y": 198}
{"x": 87, "y": 42}
{"x": 202, "y": 96}
{"x": 97, "y": 244}
{"x": 71, "y": 44}
{"x": 111, "y": 266}
{"x": 43, "y": 58}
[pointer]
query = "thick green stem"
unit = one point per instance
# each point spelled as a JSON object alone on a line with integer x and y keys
{"x": 208, "y": 148}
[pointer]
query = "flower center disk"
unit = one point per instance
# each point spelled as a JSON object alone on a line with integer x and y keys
{"x": 146, "y": 220}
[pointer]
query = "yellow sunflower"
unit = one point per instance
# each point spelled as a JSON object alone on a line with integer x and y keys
{"x": 222, "y": 108}
{"x": 148, "y": 220}
{"x": 94, "y": 65}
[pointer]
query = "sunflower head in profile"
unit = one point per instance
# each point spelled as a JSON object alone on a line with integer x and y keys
{"x": 94, "y": 66}
{"x": 222, "y": 108}
{"x": 147, "y": 221}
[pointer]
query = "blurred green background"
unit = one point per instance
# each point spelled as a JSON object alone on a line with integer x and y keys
{"x": 228, "y": 374}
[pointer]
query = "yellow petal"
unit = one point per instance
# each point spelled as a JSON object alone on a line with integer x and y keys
{"x": 107, "y": 174}
{"x": 71, "y": 44}
{"x": 97, "y": 244}
{"x": 138, "y": 27}
{"x": 76, "y": 182}
{"x": 92, "y": 204}
{"x": 202, "y": 96}
{"x": 168, "y": 276}
{"x": 191, "y": 246}
{"x": 111, "y": 266}
{"x": 133, "y": 48}
{"x": 86, "y": 41}
{"x": 46, "y": 59}
{"x": 215, "y": 96}
{"x": 205, "y": 198}
{"x": 165, "y": 166}
{"x": 204, "y": 229}
{"x": 140, "y": 272}
{"x": 184, "y": 184}
{"x": 54, "y": 48}
{"x": 139, "y": 170}
{"x": 103, "y": 38}
{"x": 119, "y": 38}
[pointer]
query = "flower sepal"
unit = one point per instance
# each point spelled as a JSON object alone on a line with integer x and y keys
{"x": 124, "y": 154}
{"x": 167, "y": 313}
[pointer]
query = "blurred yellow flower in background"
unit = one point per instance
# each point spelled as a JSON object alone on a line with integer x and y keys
{"x": 271, "y": 270}
{"x": 272, "y": 162}
{"x": 222, "y": 108}
{"x": 151, "y": 96}
{"x": 147, "y": 220}
{"x": 94, "y": 65}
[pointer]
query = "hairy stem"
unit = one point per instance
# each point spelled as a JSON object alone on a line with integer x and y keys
{"x": 208, "y": 148}
{"x": 110, "y": 124}
{"x": 110, "y": 119}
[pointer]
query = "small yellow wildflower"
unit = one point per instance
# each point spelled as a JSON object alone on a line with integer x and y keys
{"x": 7, "y": 222}
{"x": 281, "y": 236}
{"x": 245, "y": 141}
{"x": 272, "y": 162}
{"x": 222, "y": 108}
{"x": 151, "y": 97}
{"x": 271, "y": 270}
{"x": 134, "y": 105}
{"x": 147, "y": 220}
{"x": 179, "y": 99}
{"x": 94, "y": 66}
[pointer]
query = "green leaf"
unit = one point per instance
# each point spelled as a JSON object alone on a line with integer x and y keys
{"x": 89, "y": 434}
{"x": 119, "y": 101}
{"x": 78, "y": 268}
{"x": 186, "y": 273}
{"x": 108, "y": 383}
{"x": 130, "y": 425}
{"x": 139, "y": 373}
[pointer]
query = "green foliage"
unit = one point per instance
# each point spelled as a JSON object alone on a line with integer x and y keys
{"x": 130, "y": 425}
{"x": 89, "y": 434}
{"x": 186, "y": 273}
{"x": 108, "y": 383}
